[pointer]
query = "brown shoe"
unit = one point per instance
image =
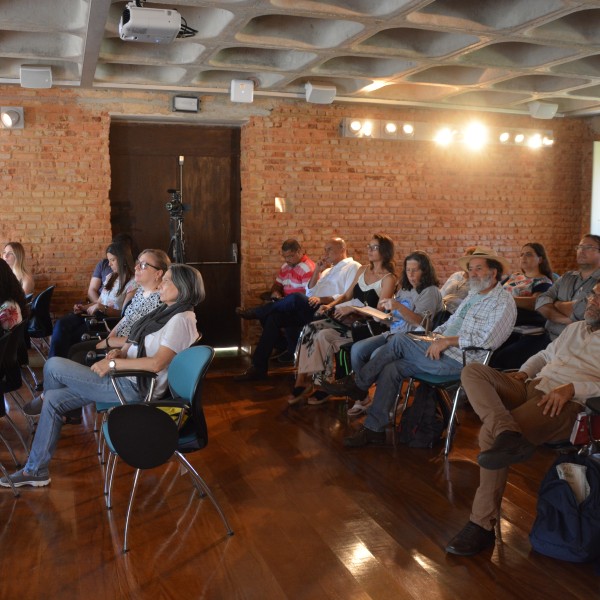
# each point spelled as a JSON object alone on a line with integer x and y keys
{"x": 363, "y": 437}
{"x": 509, "y": 447}
{"x": 470, "y": 540}
{"x": 250, "y": 374}
{"x": 245, "y": 313}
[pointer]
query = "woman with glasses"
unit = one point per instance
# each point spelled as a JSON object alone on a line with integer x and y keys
{"x": 119, "y": 287}
{"x": 322, "y": 339}
{"x": 153, "y": 342}
{"x": 14, "y": 256}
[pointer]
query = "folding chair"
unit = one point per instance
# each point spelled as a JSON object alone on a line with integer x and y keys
{"x": 40, "y": 322}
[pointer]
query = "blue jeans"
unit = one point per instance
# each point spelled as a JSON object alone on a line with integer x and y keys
{"x": 361, "y": 351}
{"x": 399, "y": 358}
{"x": 290, "y": 314}
{"x": 67, "y": 385}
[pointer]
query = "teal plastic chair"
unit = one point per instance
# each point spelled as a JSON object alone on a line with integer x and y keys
{"x": 145, "y": 436}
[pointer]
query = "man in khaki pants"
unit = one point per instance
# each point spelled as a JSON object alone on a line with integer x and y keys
{"x": 521, "y": 410}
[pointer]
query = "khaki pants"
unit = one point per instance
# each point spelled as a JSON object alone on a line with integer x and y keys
{"x": 505, "y": 404}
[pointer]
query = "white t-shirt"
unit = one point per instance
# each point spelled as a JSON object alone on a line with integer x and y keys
{"x": 177, "y": 335}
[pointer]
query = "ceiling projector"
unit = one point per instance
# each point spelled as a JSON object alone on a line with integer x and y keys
{"x": 155, "y": 25}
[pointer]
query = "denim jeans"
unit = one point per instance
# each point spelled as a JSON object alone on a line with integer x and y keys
{"x": 67, "y": 385}
{"x": 290, "y": 314}
{"x": 361, "y": 351}
{"x": 399, "y": 358}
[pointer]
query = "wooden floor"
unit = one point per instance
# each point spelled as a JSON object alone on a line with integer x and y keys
{"x": 312, "y": 520}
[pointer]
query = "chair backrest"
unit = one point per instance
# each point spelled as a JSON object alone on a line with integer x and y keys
{"x": 40, "y": 321}
{"x": 186, "y": 375}
{"x": 142, "y": 435}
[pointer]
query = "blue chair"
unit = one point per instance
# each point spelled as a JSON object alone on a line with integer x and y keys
{"x": 144, "y": 436}
{"x": 450, "y": 389}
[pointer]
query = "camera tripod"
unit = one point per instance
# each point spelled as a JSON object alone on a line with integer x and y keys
{"x": 176, "y": 250}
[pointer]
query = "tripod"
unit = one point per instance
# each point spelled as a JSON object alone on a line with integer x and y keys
{"x": 176, "y": 250}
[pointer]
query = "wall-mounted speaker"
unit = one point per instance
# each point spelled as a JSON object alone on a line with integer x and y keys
{"x": 320, "y": 94}
{"x": 542, "y": 110}
{"x": 36, "y": 76}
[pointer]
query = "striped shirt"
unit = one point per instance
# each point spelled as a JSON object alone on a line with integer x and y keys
{"x": 295, "y": 279}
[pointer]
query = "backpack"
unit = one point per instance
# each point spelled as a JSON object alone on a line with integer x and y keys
{"x": 424, "y": 421}
{"x": 563, "y": 528}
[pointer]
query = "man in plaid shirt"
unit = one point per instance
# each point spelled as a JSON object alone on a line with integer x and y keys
{"x": 485, "y": 319}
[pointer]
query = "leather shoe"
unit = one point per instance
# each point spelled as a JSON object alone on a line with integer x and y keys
{"x": 470, "y": 540}
{"x": 345, "y": 387}
{"x": 245, "y": 313}
{"x": 250, "y": 374}
{"x": 508, "y": 448}
{"x": 363, "y": 437}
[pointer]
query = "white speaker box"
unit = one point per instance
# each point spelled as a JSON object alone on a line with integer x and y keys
{"x": 542, "y": 110}
{"x": 320, "y": 94}
{"x": 241, "y": 90}
{"x": 36, "y": 76}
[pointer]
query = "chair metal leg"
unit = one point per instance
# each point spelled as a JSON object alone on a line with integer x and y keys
{"x": 452, "y": 421}
{"x": 194, "y": 474}
{"x": 409, "y": 388}
{"x": 129, "y": 508}
{"x": 16, "y": 430}
{"x": 12, "y": 485}
{"x": 10, "y": 451}
{"x": 109, "y": 476}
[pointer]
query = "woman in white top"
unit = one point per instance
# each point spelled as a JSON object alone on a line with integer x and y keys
{"x": 322, "y": 339}
{"x": 14, "y": 255}
{"x": 154, "y": 341}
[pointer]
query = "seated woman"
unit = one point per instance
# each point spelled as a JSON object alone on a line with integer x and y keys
{"x": 322, "y": 339}
{"x": 150, "y": 268}
{"x": 14, "y": 255}
{"x": 149, "y": 271}
{"x": 12, "y": 298}
{"x": 418, "y": 295}
{"x": 153, "y": 343}
{"x": 119, "y": 288}
{"x": 534, "y": 278}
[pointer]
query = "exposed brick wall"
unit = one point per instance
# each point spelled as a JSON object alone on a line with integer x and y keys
{"x": 55, "y": 177}
{"x": 425, "y": 196}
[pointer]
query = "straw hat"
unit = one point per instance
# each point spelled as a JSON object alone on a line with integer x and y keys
{"x": 484, "y": 252}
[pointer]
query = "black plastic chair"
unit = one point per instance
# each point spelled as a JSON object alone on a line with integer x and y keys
{"x": 40, "y": 322}
{"x": 145, "y": 436}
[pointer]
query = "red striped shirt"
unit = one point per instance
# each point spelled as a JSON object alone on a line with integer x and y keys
{"x": 295, "y": 279}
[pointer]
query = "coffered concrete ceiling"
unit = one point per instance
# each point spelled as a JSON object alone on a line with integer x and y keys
{"x": 490, "y": 54}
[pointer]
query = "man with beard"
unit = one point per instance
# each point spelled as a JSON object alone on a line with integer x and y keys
{"x": 522, "y": 410}
{"x": 484, "y": 319}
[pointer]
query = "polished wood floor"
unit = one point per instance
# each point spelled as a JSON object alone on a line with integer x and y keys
{"x": 312, "y": 520}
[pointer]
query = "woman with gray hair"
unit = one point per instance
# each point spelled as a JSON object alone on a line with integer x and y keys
{"x": 153, "y": 342}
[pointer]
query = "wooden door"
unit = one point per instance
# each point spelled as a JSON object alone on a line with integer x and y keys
{"x": 145, "y": 163}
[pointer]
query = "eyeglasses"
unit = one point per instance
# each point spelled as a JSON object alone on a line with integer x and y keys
{"x": 586, "y": 247}
{"x": 144, "y": 265}
{"x": 373, "y": 247}
{"x": 593, "y": 297}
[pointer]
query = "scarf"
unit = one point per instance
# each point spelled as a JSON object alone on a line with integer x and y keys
{"x": 152, "y": 323}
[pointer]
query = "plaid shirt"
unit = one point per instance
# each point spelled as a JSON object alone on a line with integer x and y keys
{"x": 487, "y": 324}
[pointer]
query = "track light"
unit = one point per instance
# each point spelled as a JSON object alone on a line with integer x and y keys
{"x": 11, "y": 117}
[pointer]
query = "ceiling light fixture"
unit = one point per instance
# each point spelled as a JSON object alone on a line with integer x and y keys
{"x": 11, "y": 117}
{"x": 474, "y": 135}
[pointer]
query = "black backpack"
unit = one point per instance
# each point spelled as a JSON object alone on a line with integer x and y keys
{"x": 563, "y": 528}
{"x": 424, "y": 421}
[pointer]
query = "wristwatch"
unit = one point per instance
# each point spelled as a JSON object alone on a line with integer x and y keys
{"x": 112, "y": 364}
